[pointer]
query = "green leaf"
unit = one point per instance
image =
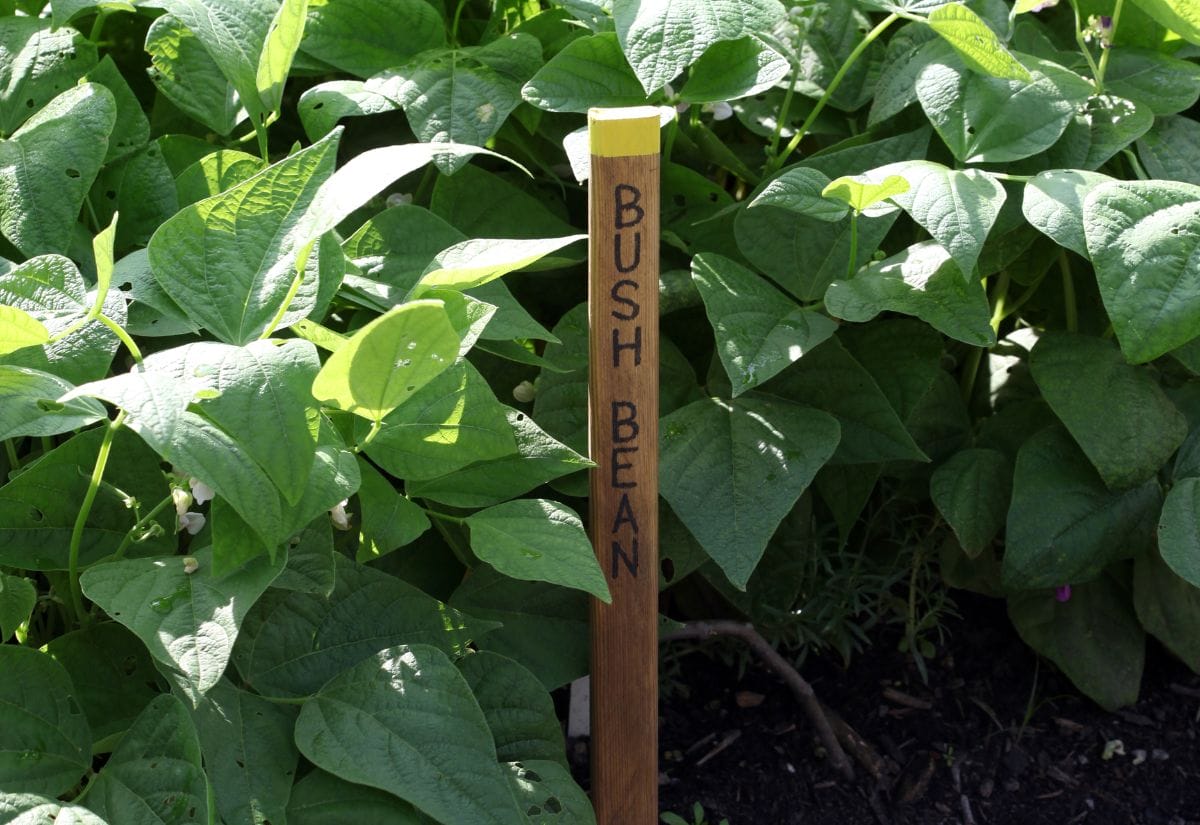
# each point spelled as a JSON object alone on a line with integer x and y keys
{"x": 45, "y": 744}
{"x": 131, "y": 130}
{"x": 732, "y": 470}
{"x": 989, "y": 119}
{"x": 364, "y": 37}
{"x": 734, "y": 69}
{"x": 971, "y": 491}
{"x": 291, "y": 643}
{"x": 112, "y": 673}
{"x": 322, "y": 106}
{"x": 924, "y": 281}
{"x": 957, "y": 207}
{"x": 234, "y": 33}
{"x": 18, "y": 597}
{"x": 822, "y": 38}
{"x": 902, "y": 355}
{"x": 517, "y": 707}
{"x": 1164, "y": 84}
{"x": 405, "y": 721}
{"x": 30, "y": 809}
{"x": 155, "y": 774}
{"x": 249, "y": 753}
{"x": 156, "y": 409}
{"x": 908, "y": 52}
{"x": 451, "y": 422}
{"x": 310, "y": 561}
{"x": 458, "y": 95}
{"x": 545, "y": 627}
{"x": 19, "y": 329}
{"x": 140, "y": 187}
{"x": 230, "y": 261}
{"x": 539, "y": 540}
{"x": 589, "y": 71}
{"x": 38, "y": 64}
{"x": 215, "y": 173}
{"x": 1178, "y": 534}
{"x": 976, "y": 44}
{"x": 539, "y": 458}
{"x": 1064, "y": 525}
{"x": 860, "y": 194}
{"x": 186, "y": 74}
{"x": 661, "y": 38}
{"x": 259, "y": 394}
{"x": 50, "y": 289}
{"x": 1103, "y": 126}
{"x": 334, "y": 476}
{"x": 1140, "y": 428}
{"x": 1167, "y": 606}
{"x": 389, "y": 520}
{"x": 38, "y": 508}
{"x": 830, "y": 379}
{"x": 48, "y": 165}
{"x": 188, "y": 621}
{"x": 1180, "y": 16}
{"x": 548, "y": 794}
{"x": 1094, "y": 638}
{"x": 474, "y": 262}
{"x": 799, "y": 189}
{"x": 759, "y": 330}
{"x": 323, "y": 799}
{"x": 63, "y": 11}
{"x": 1151, "y": 228}
{"x": 278, "y": 50}
{"x": 388, "y": 360}
{"x": 1054, "y": 205}
{"x": 396, "y": 246}
{"x": 482, "y": 204}
{"x": 1171, "y": 149}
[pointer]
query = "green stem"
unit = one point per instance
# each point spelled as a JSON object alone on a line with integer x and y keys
{"x": 1012, "y": 308}
{"x": 783, "y": 112}
{"x": 376, "y": 426}
{"x": 776, "y": 163}
{"x": 998, "y": 312}
{"x": 285, "y": 700}
{"x": 85, "y": 510}
{"x": 1083, "y": 47}
{"x": 98, "y": 26}
{"x": 454, "y": 26}
{"x": 10, "y": 449}
{"x": 1138, "y": 170}
{"x": 424, "y": 193}
{"x": 1116, "y": 19}
{"x": 120, "y": 332}
{"x": 1068, "y": 292}
{"x": 138, "y": 528}
{"x": 260, "y": 132}
{"x": 1006, "y": 176}
{"x": 853, "y": 266}
{"x": 444, "y": 516}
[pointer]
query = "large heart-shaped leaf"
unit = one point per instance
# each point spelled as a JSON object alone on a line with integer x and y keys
{"x": 364, "y": 37}
{"x": 187, "y": 75}
{"x": 661, "y": 38}
{"x": 971, "y": 491}
{"x": 28, "y": 809}
{"x": 17, "y": 600}
{"x": 292, "y": 642}
{"x": 189, "y": 621}
{"x": 1053, "y": 203}
{"x": 539, "y": 540}
{"x": 1064, "y": 525}
{"x": 731, "y": 470}
{"x": 1168, "y": 607}
{"x": 986, "y": 119}
{"x": 976, "y": 44}
{"x": 37, "y": 63}
{"x": 957, "y": 207}
{"x": 924, "y": 281}
{"x": 517, "y": 707}
{"x": 323, "y": 799}
{"x": 1151, "y": 228}
{"x": 45, "y": 743}
{"x": 155, "y": 775}
{"x": 1140, "y": 429}
{"x": 389, "y": 520}
{"x": 1178, "y": 534}
{"x": 405, "y": 721}
{"x": 48, "y": 165}
{"x": 759, "y": 330}
{"x": 388, "y": 360}
{"x": 28, "y": 404}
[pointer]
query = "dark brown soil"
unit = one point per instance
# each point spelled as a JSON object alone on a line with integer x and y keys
{"x": 969, "y": 748}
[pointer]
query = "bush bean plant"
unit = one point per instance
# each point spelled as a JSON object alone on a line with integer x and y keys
{"x": 293, "y": 370}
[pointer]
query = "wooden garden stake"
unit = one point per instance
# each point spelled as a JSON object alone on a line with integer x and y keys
{"x": 623, "y": 426}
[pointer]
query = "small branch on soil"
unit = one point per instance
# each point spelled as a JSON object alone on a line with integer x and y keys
{"x": 798, "y": 684}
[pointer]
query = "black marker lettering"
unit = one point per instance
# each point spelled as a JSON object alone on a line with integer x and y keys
{"x": 635, "y": 345}
{"x": 635, "y": 309}
{"x": 630, "y": 205}
{"x": 625, "y": 514}
{"x": 631, "y": 563}
{"x": 637, "y": 252}
{"x": 628, "y": 424}
{"x": 618, "y": 466}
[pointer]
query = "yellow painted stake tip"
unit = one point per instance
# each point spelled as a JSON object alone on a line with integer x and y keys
{"x": 622, "y": 133}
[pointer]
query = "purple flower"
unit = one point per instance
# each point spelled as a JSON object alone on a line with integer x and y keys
{"x": 1062, "y": 593}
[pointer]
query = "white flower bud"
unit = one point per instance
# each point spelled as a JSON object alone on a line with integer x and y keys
{"x": 200, "y": 491}
{"x": 524, "y": 392}
{"x": 190, "y": 565}
{"x": 182, "y": 499}
{"x": 720, "y": 110}
{"x": 341, "y": 519}
{"x": 193, "y": 523}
